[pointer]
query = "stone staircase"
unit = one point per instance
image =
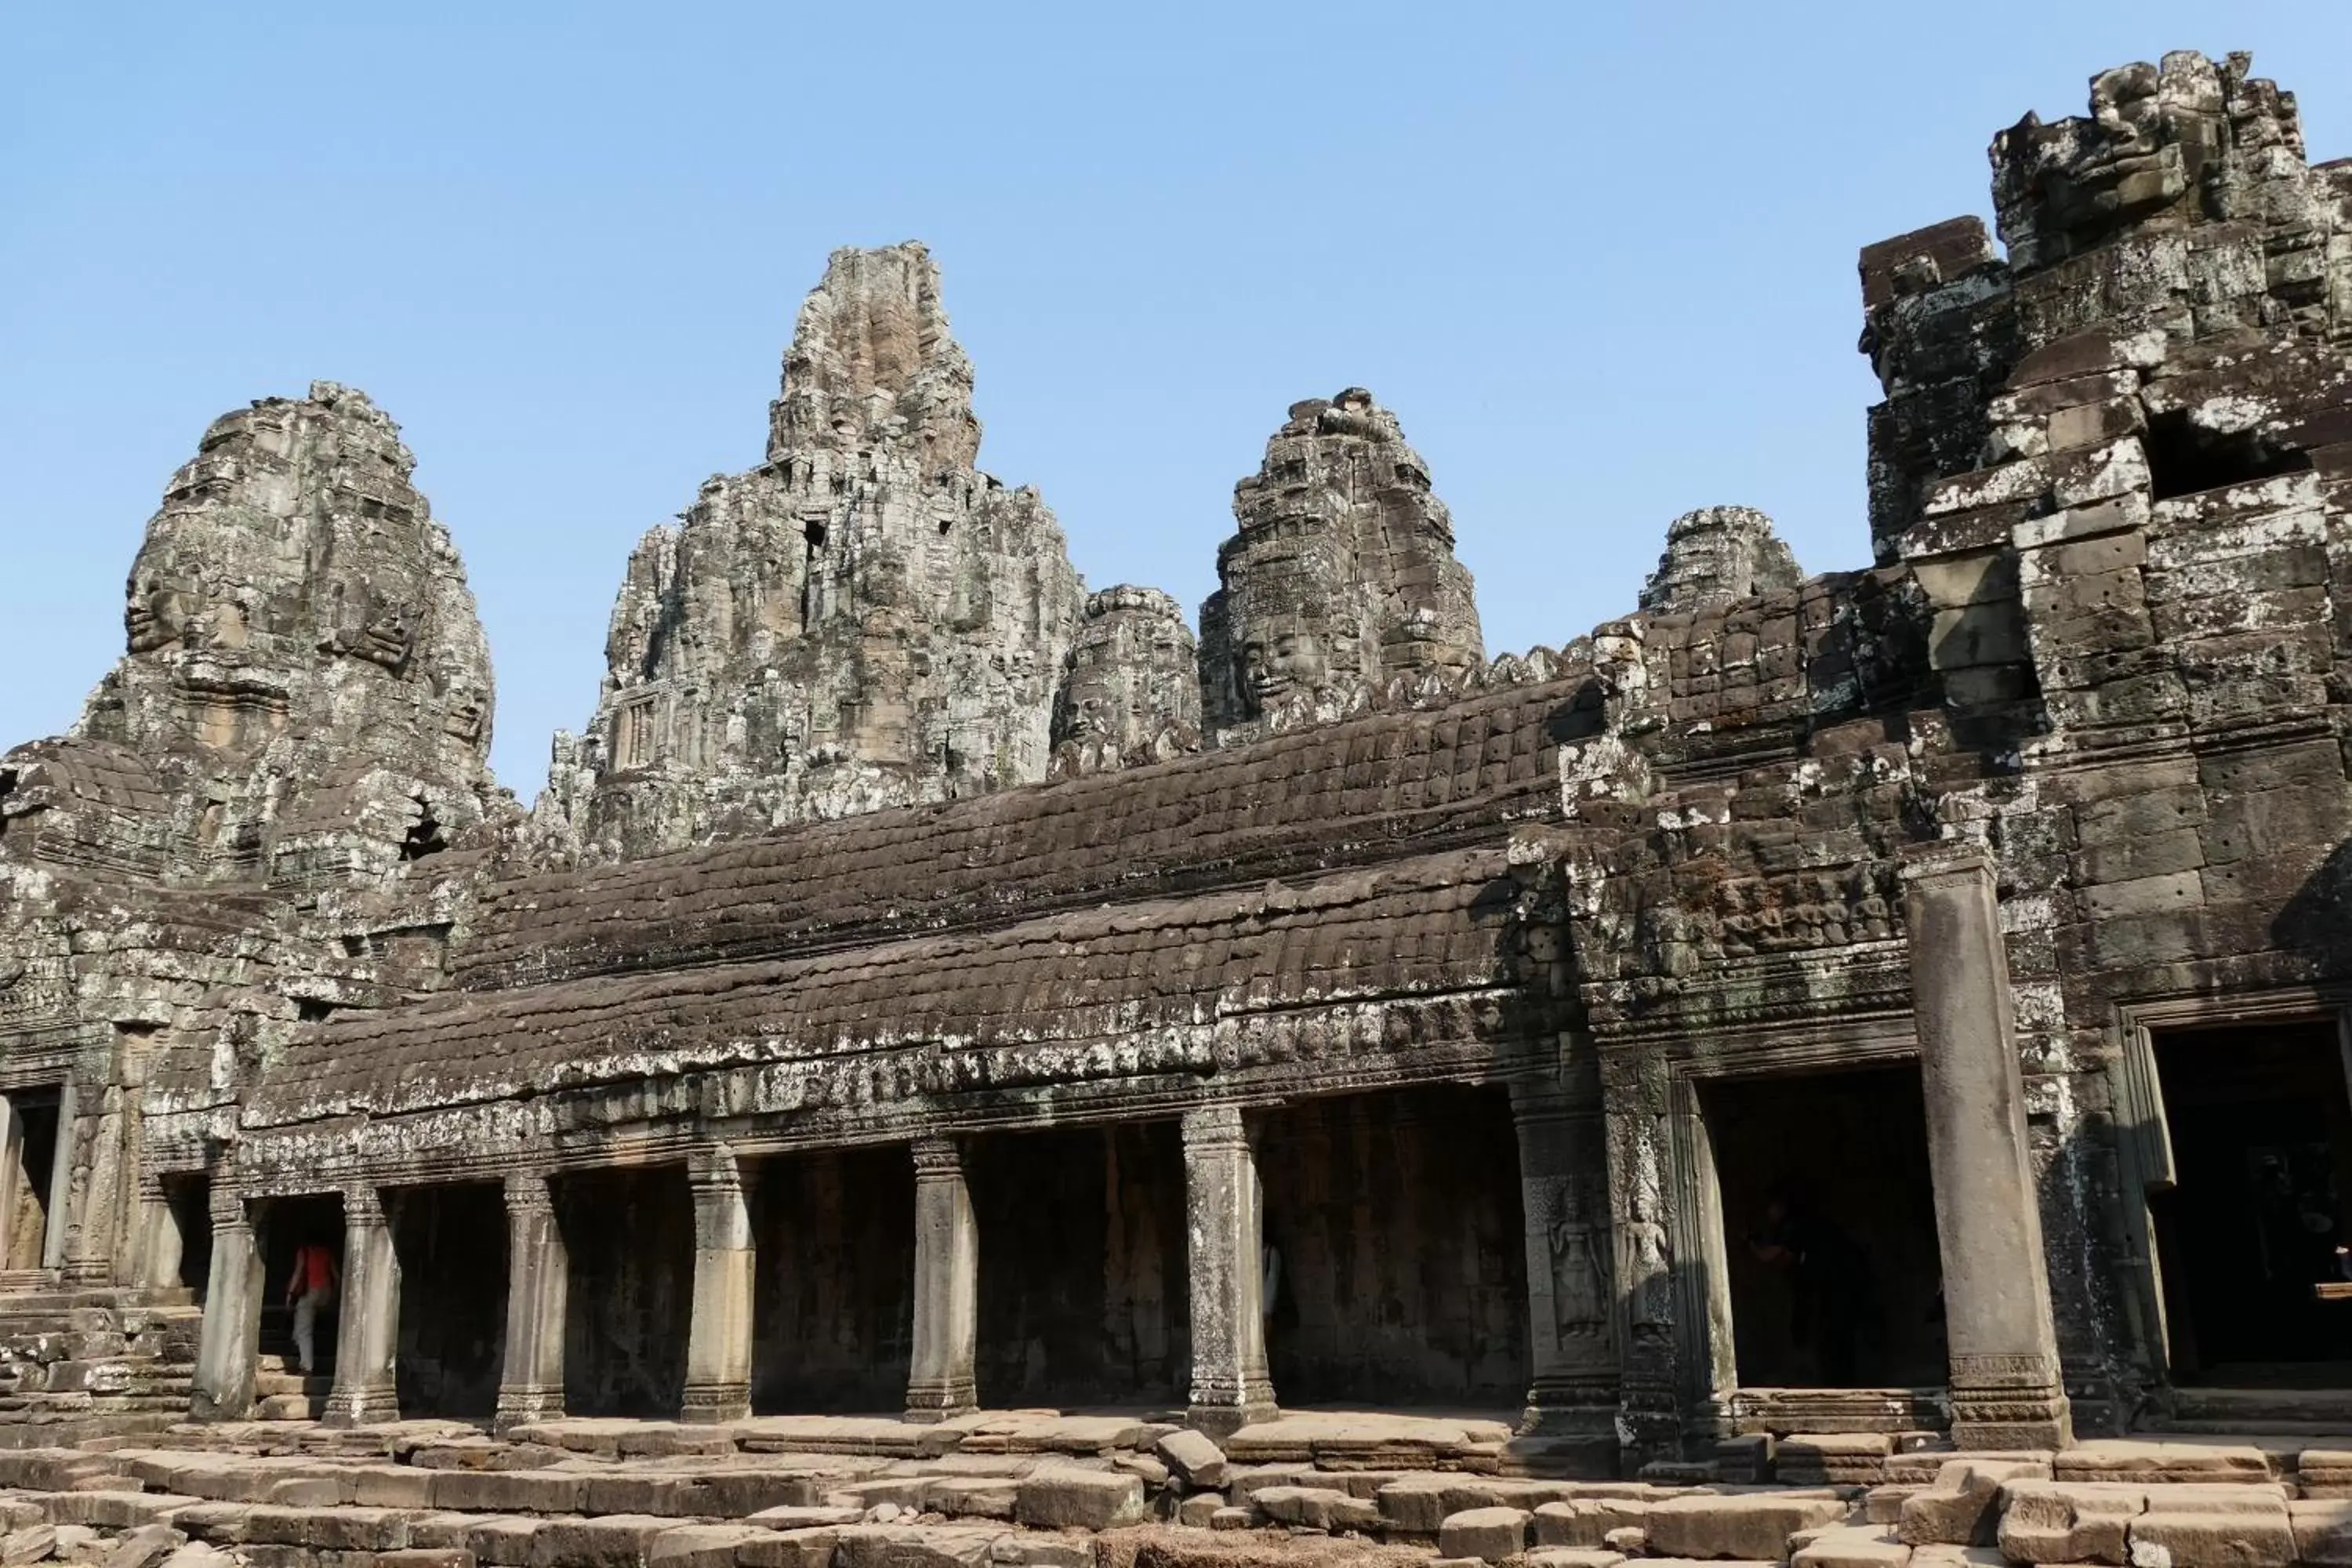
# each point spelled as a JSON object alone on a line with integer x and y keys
{"x": 82, "y": 1363}
{"x": 1078, "y": 1491}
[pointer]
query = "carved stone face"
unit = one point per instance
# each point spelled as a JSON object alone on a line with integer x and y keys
{"x": 156, "y": 617}
{"x": 1287, "y": 657}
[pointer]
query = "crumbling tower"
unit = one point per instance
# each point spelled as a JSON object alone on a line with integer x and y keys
{"x": 864, "y": 620}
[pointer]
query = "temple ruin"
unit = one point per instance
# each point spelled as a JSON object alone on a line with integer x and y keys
{"x": 954, "y": 1052}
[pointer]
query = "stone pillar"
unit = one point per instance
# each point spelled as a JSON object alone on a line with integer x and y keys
{"x": 719, "y": 1341}
{"x": 538, "y": 1272}
{"x": 61, "y": 1169}
{"x": 12, "y": 1166}
{"x": 161, "y": 1247}
{"x": 367, "y": 1332}
{"x": 1564, "y": 1198}
{"x": 947, "y": 1285}
{"x": 1230, "y": 1388}
{"x": 2005, "y": 1384}
{"x": 230, "y": 1336}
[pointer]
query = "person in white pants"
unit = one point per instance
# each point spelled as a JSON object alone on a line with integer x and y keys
{"x": 310, "y": 1291}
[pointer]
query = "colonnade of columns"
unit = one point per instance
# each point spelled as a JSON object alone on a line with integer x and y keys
{"x": 1230, "y": 1381}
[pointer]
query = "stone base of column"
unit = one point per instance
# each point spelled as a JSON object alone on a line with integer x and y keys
{"x": 1224, "y": 1408}
{"x": 521, "y": 1406}
{"x": 1574, "y": 1426}
{"x": 929, "y": 1402}
{"x": 360, "y": 1407}
{"x": 708, "y": 1402}
{"x": 2008, "y": 1402}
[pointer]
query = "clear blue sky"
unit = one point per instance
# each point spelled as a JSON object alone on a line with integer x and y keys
{"x": 1600, "y": 259}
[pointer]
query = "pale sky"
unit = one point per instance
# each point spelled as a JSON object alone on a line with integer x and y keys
{"x": 1600, "y": 262}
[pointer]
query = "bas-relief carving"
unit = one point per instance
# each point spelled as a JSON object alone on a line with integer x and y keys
{"x": 1575, "y": 1223}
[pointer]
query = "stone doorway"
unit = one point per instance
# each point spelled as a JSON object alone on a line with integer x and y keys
{"x": 1829, "y": 1243}
{"x": 451, "y": 1242}
{"x": 629, "y": 1235}
{"x": 832, "y": 1296}
{"x": 1396, "y": 1250}
{"x": 2253, "y": 1222}
{"x": 187, "y": 1202}
{"x": 282, "y": 1227}
{"x": 1084, "y": 1299}
{"x": 31, "y": 1173}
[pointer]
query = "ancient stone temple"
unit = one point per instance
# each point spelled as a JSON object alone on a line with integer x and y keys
{"x": 903, "y": 1098}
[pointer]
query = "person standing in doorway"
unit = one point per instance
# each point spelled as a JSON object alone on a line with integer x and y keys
{"x": 310, "y": 1291}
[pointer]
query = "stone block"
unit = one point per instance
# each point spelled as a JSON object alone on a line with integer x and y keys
{"x": 1572, "y": 1557}
{"x": 389, "y": 1485}
{"x": 1231, "y": 1519}
{"x": 2166, "y": 1537}
{"x": 145, "y": 1546}
{"x": 971, "y": 1497}
{"x": 425, "y": 1557}
{"x": 1198, "y": 1510}
{"x": 114, "y": 1509}
{"x": 1961, "y": 1507}
{"x": 1195, "y": 1457}
{"x": 505, "y": 1542}
{"x": 1316, "y": 1508}
{"x": 507, "y": 1491}
{"x": 799, "y": 1518}
{"x": 914, "y": 1546}
{"x": 223, "y": 1522}
{"x": 1041, "y": 1552}
{"x": 1487, "y": 1534}
{"x": 1081, "y": 1500}
{"x": 327, "y": 1529}
{"x": 1756, "y": 1526}
{"x": 702, "y": 1546}
{"x": 2067, "y": 1522}
{"x": 612, "y": 1540}
{"x": 1852, "y": 1546}
{"x": 804, "y": 1548}
{"x": 2128, "y": 1460}
{"x": 31, "y": 1544}
{"x": 2323, "y": 1528}
{"x": 305, "y": 1491}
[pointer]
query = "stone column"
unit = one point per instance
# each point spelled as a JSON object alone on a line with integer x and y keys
{"x": 947, "y": 1285}
{"x": 1230, "y": 1388}
{"x": 367, "y": 1332}
{"x": 61, "y": 1167}
{"x": 718, "y": 1341}
{"x": 230, "y": 1336}
{"x": 538, "y": 1272}
{"x": 12, "y": 1166}
{"x": 1564, "y": 1198}
{"x": 161, "y": 1246}
{"x": 2005, "y": 1384}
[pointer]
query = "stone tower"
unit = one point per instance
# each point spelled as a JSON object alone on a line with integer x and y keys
{"x": 1718, "y": 554}
{"x": 306, "y": 674}
{"x": 2179, "y": 214}
{"x": 1341, "y": 574}
{"x": 864, "y": 620}
{"x": 1132, "y": 693}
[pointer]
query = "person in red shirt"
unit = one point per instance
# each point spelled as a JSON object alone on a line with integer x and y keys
{"x": 310, "y": 1291}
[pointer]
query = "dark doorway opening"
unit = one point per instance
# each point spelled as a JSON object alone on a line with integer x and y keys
{"x": 630, "y": 1237}
{"x": 2261, "y": 1133}
{"x": 1396, "y": 1249}
{"x": 189, "y": 1198}
{"x": 1829, "y": 1228}
{"x": 283, "y": 1227}
{"x": 833, "y": 1300}
{"x": 452, "y": 1246}
{"x": 1084, "y": 1299}
{"x": 34, "y": 1170}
